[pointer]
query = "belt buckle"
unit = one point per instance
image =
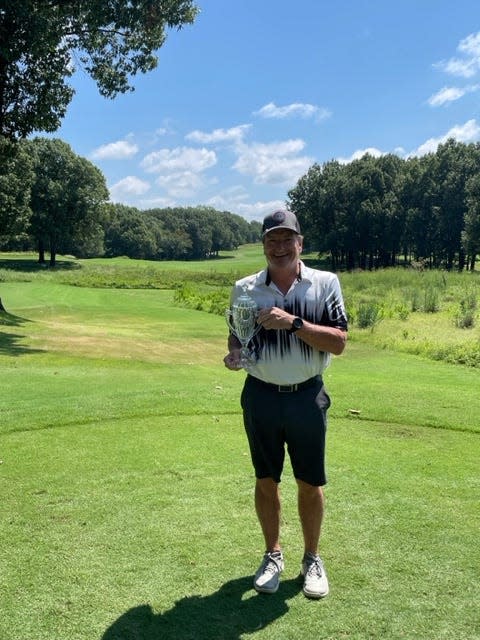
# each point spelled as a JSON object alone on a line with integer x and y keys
{"x": 287, "y": 388}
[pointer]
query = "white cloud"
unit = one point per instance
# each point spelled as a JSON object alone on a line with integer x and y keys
{"x": 235, "y": 199}
{"x": 179, "y": 160}
{"x": 449, "y": 94}
{"x": 276, "y": 163}
{"x": 234, "y": 134}
{"x": 127, "y": 187}
{"x": 471, "y": 45}
{"x": 296, "y": 109}
{"x": 180, "y": 185}
{"x": 356, "y": 155}
{"x": 468, "y": 132}
{"x": 228, "y": 198}
{"x": 258, "y": 210}
{"x": 468, "y": 65}
{"x": 179, "y": 169}
{"x": 115, "y": 151}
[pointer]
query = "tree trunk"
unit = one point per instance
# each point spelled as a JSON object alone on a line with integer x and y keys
{"x": 41, "y": 252}
{"x": 350, "y": 260}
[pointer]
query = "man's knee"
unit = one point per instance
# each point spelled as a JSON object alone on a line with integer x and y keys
{"x": 309, "y": 490}
{"x": 267, "y": 486}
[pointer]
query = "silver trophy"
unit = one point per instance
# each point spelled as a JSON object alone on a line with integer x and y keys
{"x": 242, "y": 321}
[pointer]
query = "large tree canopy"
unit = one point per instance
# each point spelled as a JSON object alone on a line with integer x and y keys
{"x": 16, "y": 177}
{"x": 68, "y": 198}
{"x": 42, "y": 42}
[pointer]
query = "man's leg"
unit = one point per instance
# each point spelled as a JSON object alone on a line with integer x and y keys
{"x": 310, "y": 509}
{"x": 267, "y": 505}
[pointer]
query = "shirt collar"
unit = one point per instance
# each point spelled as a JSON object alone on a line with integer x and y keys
{"x": 300, "y": 274}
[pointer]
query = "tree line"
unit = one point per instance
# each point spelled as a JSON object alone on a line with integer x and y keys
{"x": 378, "y": 212}
{"x": 370, "y": 213}
{"x": 52, "y": 200}
{"x": 175, "y": 233}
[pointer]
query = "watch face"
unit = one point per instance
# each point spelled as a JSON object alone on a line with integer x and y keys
{"x": 297, "y": 323}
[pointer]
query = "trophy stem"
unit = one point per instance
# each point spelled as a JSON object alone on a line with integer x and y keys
{"x": 246, "y": 357}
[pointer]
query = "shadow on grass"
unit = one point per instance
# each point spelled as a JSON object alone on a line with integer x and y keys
{"x": 223, "y": 615}
{"x": 10, "y": 343}
{"x": 9, "y": 320}
{"x": 29, "y": 265}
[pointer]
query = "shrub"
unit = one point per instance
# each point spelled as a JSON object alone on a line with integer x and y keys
{"x": 215, "y": 301}
{"x": 464, "y": 317}
{"x": 368, "y": 315}
{"x": 468, "y": 355}
{"x": 402, "y": 311}
{"x": 415, "y": 300}
{"x": 430, "y": 300}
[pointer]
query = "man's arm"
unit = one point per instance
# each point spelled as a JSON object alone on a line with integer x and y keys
{"x": 317, "y": 336}
{"x": 323, "y": 338}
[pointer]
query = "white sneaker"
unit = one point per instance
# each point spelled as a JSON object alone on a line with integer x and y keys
{"x": 315, "y": 584}
{"x": 267, "y": 577}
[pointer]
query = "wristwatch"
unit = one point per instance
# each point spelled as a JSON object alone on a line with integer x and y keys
{"x": 296, "y": 325}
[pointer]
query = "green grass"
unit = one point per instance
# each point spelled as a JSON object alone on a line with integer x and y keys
{"x": 128, "y": 273}
{"x": 127, "y": 491}
{"x": 156, "y": 514}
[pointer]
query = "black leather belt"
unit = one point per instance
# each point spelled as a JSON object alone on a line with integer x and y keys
{"x": 287, "y": 388}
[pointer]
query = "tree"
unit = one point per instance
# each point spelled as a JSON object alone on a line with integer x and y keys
{"x": 43, "y": 42}
{"x": 16, "y": 176}
{"x": 131, "y": 232}
{"x": 471, "y": 232}
{"x": 392, "y": 235}
{"x": 68, "y": 197}
{"x": 455, "y": 165}
{"x": 319, "y": 201}
{"x": 419, "y": 199}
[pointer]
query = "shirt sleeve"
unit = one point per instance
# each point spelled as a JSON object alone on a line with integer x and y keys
{"x": 334, "y": 314}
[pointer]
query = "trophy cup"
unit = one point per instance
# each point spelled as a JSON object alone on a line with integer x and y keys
{"x": 242, "y": 321}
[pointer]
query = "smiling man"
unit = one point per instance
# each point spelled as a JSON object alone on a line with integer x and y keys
{"x": 284, "y": 401}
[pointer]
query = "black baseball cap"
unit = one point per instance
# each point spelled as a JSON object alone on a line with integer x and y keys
{"x": 280, "y": 219}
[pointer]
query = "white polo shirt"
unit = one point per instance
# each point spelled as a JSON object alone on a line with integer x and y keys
{"x": 315, "y": 296}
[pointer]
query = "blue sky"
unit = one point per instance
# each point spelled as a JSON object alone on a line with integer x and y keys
{"x": 247, "y": 98}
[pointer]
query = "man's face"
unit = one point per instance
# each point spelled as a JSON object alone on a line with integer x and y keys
{"x": 282, "y": 248}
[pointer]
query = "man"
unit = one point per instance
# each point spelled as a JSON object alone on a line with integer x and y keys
{"x": 284, "y": 401}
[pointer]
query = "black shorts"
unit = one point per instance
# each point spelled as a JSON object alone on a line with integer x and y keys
{"x": 297, "y": 419}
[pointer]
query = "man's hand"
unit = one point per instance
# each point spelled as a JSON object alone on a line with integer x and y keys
{"x": 275, "y": 318}
{"x": 232, "y": 360}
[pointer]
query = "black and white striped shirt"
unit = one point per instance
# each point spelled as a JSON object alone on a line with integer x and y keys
{"x": 315, "y": 296}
